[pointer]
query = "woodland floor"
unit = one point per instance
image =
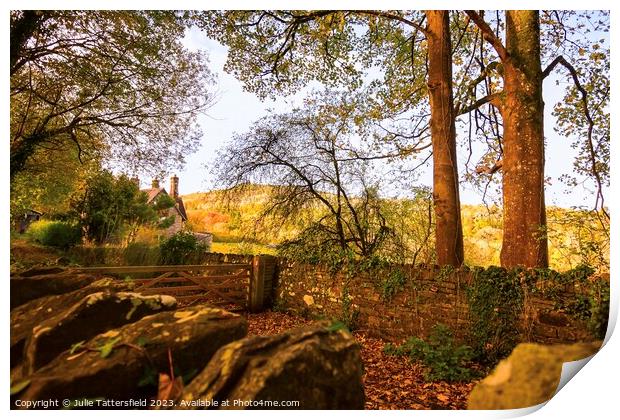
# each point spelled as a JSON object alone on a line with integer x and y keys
{"x": 390, "y": 382}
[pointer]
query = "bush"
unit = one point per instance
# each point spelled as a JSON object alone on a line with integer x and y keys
{"x": 140, "y": 253}
{"x": 444, "y": 360}
{"x": 182, "y": 248}
{"x": 54, "y": 233}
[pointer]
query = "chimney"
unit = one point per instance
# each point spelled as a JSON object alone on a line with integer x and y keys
{"x": 174, "y": 186}
{"x": 155, "y": 183}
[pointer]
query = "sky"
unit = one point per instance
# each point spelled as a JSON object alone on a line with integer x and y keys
{"x": 236, "y": 109}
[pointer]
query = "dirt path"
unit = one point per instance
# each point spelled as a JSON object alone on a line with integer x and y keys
{"x": 390, "y": 382}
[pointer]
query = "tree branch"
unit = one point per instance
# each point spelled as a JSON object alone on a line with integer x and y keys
{"x": 392, "y": 16}
{"x": 493, "y": 99}
{"x": 490, "y": 170}
{"x": 586, "y": 110}
{"x": 488, "y": 34}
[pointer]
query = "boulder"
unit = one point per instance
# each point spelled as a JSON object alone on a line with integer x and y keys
{"x": 24, "y": 289}
{"x": 528, "y": 377}
{"x": 316, "y": 365}
{"x": 124, "y": 363}
{"x": 92, "y": 315}
{"x": 27, "y": 316}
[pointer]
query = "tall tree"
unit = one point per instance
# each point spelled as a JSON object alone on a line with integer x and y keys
{"x": 520, "y": 102}
{"x": 281, "y": 51}
{"x": 449, "y": 231}
{"x": 113, "y": 84}
{"x": 521, "y": 106}
{"x": 525, "y": 221}
{"x": 107, "y": 207}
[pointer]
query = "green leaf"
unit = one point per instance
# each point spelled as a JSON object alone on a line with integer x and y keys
{"x": 107, "y": 347}
{"x": 76, "y": 346}
{"x": 149, "y": 377}
{"x": 20, "y": 386}
{"x": 336, "y": 326}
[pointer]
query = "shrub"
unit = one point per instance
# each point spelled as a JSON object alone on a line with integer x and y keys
{"x": 55, "y": 233}
{"x": 140, "y": 253}
{"x": 181, "y": 248}
{"x": 444, "y": 360}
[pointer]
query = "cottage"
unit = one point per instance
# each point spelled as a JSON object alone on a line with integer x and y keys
{"x": 28, "y": 217}
{"x": 177, "y": 211}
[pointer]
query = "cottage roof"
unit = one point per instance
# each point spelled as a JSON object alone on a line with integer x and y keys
{"x": 152, "y": 194}
{"x": 181, "y": 208}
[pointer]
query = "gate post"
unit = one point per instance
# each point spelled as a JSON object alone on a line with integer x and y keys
{"x": 256, "y": 286}
{"x": 263, "y": 268}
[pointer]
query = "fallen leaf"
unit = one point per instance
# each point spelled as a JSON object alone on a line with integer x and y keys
{"x": 169, "y": 389}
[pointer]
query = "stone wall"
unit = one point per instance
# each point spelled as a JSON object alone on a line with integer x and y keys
{"x": 423, "y": 302}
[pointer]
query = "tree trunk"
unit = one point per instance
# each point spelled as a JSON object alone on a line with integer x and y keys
{"x": 525, "y": 242}
{"x": 22, "y": 29}
{"x": 22, "y": 150}
{"x": 449, "y": 232}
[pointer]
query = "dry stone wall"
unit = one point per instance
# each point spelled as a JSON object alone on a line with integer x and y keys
{"x": 426, "y": 297}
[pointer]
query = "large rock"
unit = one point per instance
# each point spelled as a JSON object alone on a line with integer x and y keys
{"x": 24, "y": 289}
{"x": 528, "y": 377}
{"x": 92, "y": 315}
{"x": 315, "y": 365}
{"x": 27, "y": 316}
{"x": 124, "y": 363}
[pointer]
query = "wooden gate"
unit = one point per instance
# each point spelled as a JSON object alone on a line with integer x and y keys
{"x": 226, "y": 285}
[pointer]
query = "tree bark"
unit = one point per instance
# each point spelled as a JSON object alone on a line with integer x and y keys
{"x": 446, "y": 201}
{"x": 525, "y": 242}
{"x": 22, "y": 150}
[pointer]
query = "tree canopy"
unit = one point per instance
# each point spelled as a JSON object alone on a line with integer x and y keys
{"x": 386, "y": 53}
{"x": 112, "y": 85}
{"x": 107, "y": 206}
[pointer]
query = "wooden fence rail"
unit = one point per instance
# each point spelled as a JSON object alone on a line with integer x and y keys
{"x": 244, "y": 286}
{"x": 220, "y": 284}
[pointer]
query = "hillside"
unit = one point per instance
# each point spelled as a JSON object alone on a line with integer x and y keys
{"x": 574, "y": 235}
{"x": 234, "y": 224}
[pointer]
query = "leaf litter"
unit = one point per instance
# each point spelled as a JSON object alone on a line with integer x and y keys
{"x": 390, "y": 382}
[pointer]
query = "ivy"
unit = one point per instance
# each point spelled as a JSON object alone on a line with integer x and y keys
{"x": 496, "y": 299}
{"x": 349, "y": 314}
{"x": 444, "y": 273}
{"x": 442, "y": 357}
{"x": 495, "y": 304}
{"x": 599, "y": 308}
{"x": 589, "y": 303}
{"x": 392, "y": 284}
